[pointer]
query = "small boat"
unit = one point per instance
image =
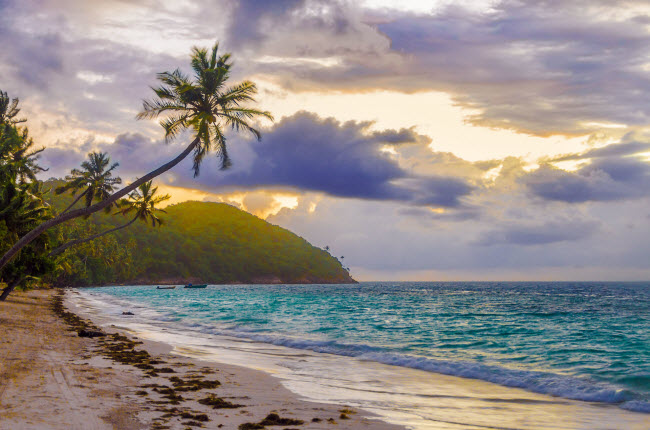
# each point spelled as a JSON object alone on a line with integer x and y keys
{"x": 165, "y": 288}
{"x": 196, "y": 286}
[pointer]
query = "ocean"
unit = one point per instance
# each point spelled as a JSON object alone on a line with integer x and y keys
{"x": 427, "y": 355}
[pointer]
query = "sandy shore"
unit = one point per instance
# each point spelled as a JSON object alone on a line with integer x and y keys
{"x": 50, "y": 378}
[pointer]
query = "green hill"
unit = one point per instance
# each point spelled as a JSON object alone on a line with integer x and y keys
{"x": 200, "y": 242}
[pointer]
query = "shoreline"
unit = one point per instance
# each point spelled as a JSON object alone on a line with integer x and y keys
{"x": 180, "y": 283}
{"x": 400, "y": 394}
{"x": 51, "y": 378}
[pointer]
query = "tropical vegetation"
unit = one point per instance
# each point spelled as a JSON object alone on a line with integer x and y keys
{"x": 207, "y": 242}
{"x": 202, "y": 103}
{"x": 22, "y": 205}
{"x": 95, "y": 178}
{"x": 199, "y": 242}
{"x": 143, "y": 201}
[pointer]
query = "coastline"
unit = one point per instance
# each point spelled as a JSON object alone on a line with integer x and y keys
{"x": 51, "y": 378}
{"x": 399, "y": 391}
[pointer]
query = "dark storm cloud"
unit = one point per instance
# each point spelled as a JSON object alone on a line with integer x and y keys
{"x": 437, "y": 191}
{"x": 306, "y": 152}
{"x": 341, "y": 159}
{"x": 302, "y": 152}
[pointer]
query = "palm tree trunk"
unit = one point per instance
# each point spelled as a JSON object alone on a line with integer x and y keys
{"x": 10, "y": 287}
{"x": 26, "y": 239}
{"x": 65, "y": 246}
{"x": 75, "y": 201}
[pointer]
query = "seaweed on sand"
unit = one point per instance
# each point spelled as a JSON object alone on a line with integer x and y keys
{"x": 218, "y": 403}
{"x": 193, "y": 384}
{"x": 271, "y": 419}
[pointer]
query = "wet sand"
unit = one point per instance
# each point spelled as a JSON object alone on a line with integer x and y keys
{"x": 50, "y": 378}
{"x": 409, "y": 397}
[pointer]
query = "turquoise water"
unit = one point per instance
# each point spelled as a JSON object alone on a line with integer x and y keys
{"x": 582, "y": 341}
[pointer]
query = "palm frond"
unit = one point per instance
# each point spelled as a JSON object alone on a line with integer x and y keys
{"x": 173, "y": 125}
{"x": 174, "y": 79}
{"x": 237, "y": 94}
{"x": 199, "y": 60}
{"x": 237, "y": 121}
{"x": 151, "y": 109}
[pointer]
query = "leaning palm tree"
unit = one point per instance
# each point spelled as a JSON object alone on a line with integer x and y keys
{"x": 95, "y": 178}
{"x": 141, "y": 201}
{"x": 203, "y": 104}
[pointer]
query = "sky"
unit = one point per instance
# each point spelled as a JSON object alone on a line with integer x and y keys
{"x": 420, "y": 140}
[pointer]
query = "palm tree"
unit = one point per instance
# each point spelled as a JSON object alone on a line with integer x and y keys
{"x": 94, "y": 178}
{"x": 203, "y": 104}
{"x": 21, "y": 198}
{"x": 17, "y": 155}
{"x": 142, "y": 201}
{"x": 8, "y": 110}
{"x": 23, "y": 208}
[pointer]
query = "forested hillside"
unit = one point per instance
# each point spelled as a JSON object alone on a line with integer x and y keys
{"x": 199, "y": 242}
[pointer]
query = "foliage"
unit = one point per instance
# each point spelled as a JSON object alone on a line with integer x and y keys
{"x": 143, "y": 202}
{"x": 18, "y": 156}
{"x": 200, "y": 242}
{"x": 90, "y": 263}
{"x": 95, "y": 178}
{"x": 21, "y": 199}
{"x": 204, "y": 104}
{"x": 9, "y": 110}
{"x": 22, "y": 209}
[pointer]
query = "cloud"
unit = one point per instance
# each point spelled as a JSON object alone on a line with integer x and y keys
{"x": 135, "y": 153}
{"x": 384, "y": 199}
{"x": 537, "y": 67}
{"x": 248, "y": 18}
{"x": 300, "y": 153}
{"x": 539, "y": 234}
{"x": 538, "y": 242}
{"x": 309, "y": 153}
{"x": 625, "y": 148}
{"x": 67, "y": 77}
{"x": 611, "y": 173}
